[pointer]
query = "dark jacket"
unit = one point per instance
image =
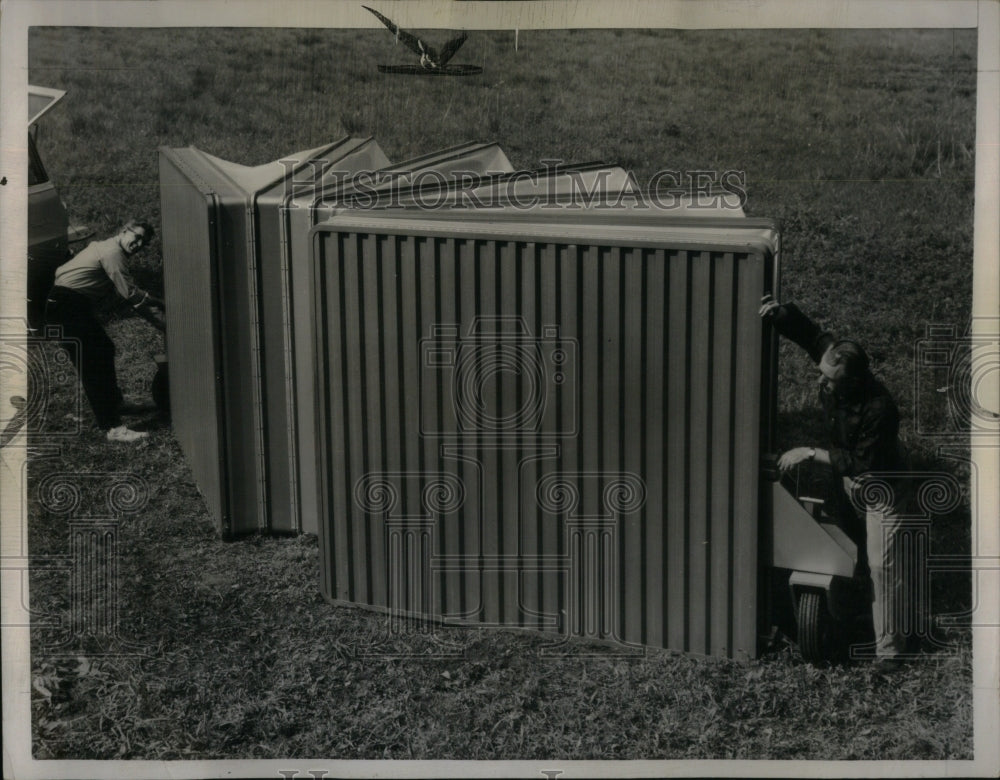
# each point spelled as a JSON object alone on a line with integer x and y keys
{"x": 863, "y": 424}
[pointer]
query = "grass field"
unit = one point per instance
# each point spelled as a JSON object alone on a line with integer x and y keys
{"x": 860, "y": 142}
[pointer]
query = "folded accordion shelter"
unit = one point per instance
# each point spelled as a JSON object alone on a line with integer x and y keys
{"x": 232, "y": 295}
{"x": 238, "y": 283}
{"x": 217, "y": 287}
{"x": 550, "y": 421}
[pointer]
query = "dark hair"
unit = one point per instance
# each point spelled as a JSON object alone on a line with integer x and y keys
{"x": 147, "y": 230}
{"x": 851, "y": 356}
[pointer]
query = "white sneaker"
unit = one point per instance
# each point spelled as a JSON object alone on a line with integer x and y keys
{"x": 123, "y": 433}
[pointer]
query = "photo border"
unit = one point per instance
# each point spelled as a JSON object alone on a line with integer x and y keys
{"x": 19, "y": 15}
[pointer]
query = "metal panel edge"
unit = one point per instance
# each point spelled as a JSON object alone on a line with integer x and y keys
{"x": 224, "y": 519}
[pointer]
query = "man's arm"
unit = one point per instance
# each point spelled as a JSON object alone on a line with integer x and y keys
{"x": 795, "y": 326}
{"x": 127, "y": 289}
{"x": 799, "y": 455}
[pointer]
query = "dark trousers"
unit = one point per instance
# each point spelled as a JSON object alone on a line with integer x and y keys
{"x": 93, "y": 354}
{"x": 41, "y": 273}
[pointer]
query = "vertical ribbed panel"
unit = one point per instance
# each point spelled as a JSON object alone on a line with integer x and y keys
{"x": 256, "y": 454}
{"x": 232, "y": 377}
{"x": 525, "y": 430}
{"x": 291, "y": 262}
{"x": 191, "y": 287}
{"x": 293, "y": 488}
{"x": 211, "y": 265}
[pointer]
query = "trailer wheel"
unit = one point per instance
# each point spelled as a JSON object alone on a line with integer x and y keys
{"x": 815, "y": 626}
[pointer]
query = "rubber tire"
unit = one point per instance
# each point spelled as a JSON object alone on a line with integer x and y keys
{"x": 815, "y": 626}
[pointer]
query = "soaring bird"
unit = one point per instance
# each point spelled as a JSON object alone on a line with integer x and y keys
{"x": 430, "y": 58}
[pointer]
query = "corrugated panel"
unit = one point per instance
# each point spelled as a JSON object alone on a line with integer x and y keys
{"x": 241, "y": 338}
{"x": 247, "y": 485}
{"x": 191, "y": 287}
{"x": 234, "y": 300}
{"x": 263, "y": 438}
{"x": 293, "y": 489}
{"x": 544, "y": 425}
{"x": 297, "y": 219}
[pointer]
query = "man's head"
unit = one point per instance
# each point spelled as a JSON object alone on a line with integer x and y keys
{"x": 843, "y": 368}
{"x": 135, "y": 235}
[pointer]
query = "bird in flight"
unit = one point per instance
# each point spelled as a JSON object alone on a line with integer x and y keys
{"x": 430, "y": 58}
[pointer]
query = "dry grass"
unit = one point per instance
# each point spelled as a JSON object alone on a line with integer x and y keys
{"x": 859, "y": 141}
